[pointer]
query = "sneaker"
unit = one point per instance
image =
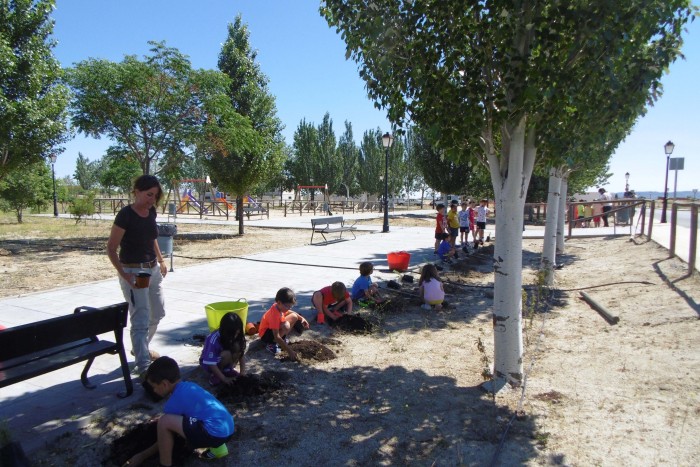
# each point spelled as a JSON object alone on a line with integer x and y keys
{"x": 425, "y": 306}
{"x": 273, "y": 348}
{"x": 215, "y": 453}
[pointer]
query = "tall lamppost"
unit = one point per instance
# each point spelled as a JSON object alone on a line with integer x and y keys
{"x": 668, "y": 149}
{"x": 627, "y": 181}
{"x": 53, "y": 177}
{"x": 387, "y": 141}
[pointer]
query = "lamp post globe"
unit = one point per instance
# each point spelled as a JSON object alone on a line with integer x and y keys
{"x": 387, "y": 141}
{"x": 668, "y": 149}
{"x": 52, "y": 157}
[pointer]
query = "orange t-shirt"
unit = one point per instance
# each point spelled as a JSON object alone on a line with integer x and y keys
{"x": 271, "y": 319}
{"x": 328, "y": 298}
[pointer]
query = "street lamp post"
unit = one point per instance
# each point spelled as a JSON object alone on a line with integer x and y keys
{"x": 668, "y": 149}
{"x": 53, "y": 177}
{"x": 387, "y": 141}
{"x": 627, "y": 181}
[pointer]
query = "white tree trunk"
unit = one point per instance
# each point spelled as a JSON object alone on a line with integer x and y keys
{"x": 561, "y": 224}
{"x": 548, "y": 260}
{"x": 510, "y": 177}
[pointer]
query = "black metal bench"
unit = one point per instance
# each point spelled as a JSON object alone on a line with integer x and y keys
{"x": 327, "y": 225}
{"x": 38, "y": 348}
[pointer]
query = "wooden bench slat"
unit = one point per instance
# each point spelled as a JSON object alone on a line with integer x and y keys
{"x": 328, "y": 221}
{"x": 46, "y": 364}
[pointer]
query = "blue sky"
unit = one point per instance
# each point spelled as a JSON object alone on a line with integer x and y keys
{"x": 305, "y": 61}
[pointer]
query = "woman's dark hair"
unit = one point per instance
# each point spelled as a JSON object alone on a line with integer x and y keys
{"x": 286, "y": 295}
{"x": 146, "y": 182}
{"x": 429, "y": 272}
{"x": 232, "y": 335}
{"x": 366, "y": 268}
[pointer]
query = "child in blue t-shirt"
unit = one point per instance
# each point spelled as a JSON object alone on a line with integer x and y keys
{"x": 191, "y": 412}
{"x": 363, "y": 288}
{"x": 445, "y": 251}
{"x": 223, "y": 349}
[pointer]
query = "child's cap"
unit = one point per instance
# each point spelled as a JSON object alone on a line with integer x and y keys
{"x": 454, "y": 202}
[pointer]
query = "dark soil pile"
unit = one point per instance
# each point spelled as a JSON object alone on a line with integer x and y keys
{"x": 353, "y": 324}
{"x": 251, "y": 387}
{"x": 397, "y": 302}
{"x": 141, "y": 437}
{"x": 312, "y": 350}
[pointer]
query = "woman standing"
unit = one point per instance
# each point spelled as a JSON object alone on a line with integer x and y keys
{"x": 140, "y": 265}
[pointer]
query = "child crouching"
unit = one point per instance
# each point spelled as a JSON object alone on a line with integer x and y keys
{"x": 191, "y": 412}
{"x": 279, "y": 320}
{"x": 223, "y": 349}
{"x": 430, "y": 288}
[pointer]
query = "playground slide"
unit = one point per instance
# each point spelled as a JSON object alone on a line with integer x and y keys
{"x": 228, "y": 205}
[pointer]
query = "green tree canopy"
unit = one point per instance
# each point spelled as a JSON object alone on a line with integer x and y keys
{"x": 30, "y": 187}
{"x": 32, "y": 100}
{"x": 150, "y": 109}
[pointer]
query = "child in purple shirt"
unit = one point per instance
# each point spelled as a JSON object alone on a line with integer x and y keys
{"x": 223, "y": 349}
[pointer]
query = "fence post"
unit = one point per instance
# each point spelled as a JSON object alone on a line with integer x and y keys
{"x": 643, "y": 215}
{"x": 651, "y": 217}
{"x": 672, "y": 243}
{"x": 693, "y": 238}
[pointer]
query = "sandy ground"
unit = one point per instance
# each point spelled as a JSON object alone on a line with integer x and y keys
{"x": 409, "y": 392}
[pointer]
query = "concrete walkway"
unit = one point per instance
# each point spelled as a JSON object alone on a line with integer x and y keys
{"x": 39, "y": 409}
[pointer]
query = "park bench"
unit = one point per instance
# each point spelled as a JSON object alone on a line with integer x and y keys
{"x": 328, "y": 225}
{"x": 38, "y": 348}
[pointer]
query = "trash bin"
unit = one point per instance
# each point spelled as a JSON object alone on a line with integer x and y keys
{"x": 166, "y": 232}
{"x": 216, "y": 311}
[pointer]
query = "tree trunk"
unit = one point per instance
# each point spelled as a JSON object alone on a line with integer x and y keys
{"x": 510, "y": 178}
{"x": 548, "y": 260}
{"x": 561, "y": 224}
{"x": 239, "y": 214}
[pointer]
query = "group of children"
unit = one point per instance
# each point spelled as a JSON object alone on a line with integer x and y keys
{"x": 585, "y": 212}
{"x": 194, "y": 414}
{"x": 471, "y": 219}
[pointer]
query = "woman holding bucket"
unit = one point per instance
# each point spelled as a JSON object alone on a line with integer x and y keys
{"x": 133, "y": 250}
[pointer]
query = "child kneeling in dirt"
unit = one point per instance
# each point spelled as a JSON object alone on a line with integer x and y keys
{"x": 363, "y": 289}
{"x": 191, "y": 412}
{"x": 278, "y": 322}
{"x": 332, "y": 301}
{"x": 446, "y": 250}
{"x": 223, "y": 349}
{"x": 430, "y": 289}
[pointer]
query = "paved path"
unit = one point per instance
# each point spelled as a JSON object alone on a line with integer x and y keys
{"x": 41, "y": 408}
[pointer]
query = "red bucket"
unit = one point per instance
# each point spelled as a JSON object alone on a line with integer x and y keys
{"x": 398, "y": 260}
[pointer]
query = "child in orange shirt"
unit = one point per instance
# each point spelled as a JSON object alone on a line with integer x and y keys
{"x": 279, "y": 320}
{"x": 332, "y": 301}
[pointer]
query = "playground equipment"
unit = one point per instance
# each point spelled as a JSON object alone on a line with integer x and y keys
{"x": 221, "y": 197}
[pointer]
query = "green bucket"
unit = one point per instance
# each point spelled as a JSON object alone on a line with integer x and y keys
{"x": 216, "y": 311}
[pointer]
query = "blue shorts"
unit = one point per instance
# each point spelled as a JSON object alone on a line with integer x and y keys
{"x": 454, "y": 232}
{"x": 197, "y": 436}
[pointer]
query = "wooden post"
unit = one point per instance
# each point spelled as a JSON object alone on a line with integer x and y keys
{"x": 674, "y": 218}
{"x": 651, "y": 218}
{"x": 693, "y": 238}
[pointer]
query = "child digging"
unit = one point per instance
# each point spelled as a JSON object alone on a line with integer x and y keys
{"x": 430, "y": 288}
{"x": 278, "y": 322}
{"x": 332, "y": 302}
{"x": 363, "y": 289}
{"x": 190, "y": 412}
{"x": 223, "y": 349}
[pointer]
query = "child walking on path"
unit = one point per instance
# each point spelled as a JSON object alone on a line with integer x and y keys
{"x": 481, "y": 212}
{"x": 332, "y": 302}
{"x": 278, "y": 322}
{"x": 430, "y": 288}
{"x": 363, "y": 288}
{"x": 191, "y": 412}
{"x": 223, "y": 349}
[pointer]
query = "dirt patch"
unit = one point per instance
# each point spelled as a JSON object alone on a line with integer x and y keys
{"x": 140, "y": 437}
{"x": 252, "y": 387}
{"x": 355, "y": 324}
{"x": 312, "y": 350}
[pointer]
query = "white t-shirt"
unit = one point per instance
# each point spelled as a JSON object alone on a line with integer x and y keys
{"x": 481, "y": 213}
{"x": 464, "y": 219}
{"x": 432, "y": 290}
